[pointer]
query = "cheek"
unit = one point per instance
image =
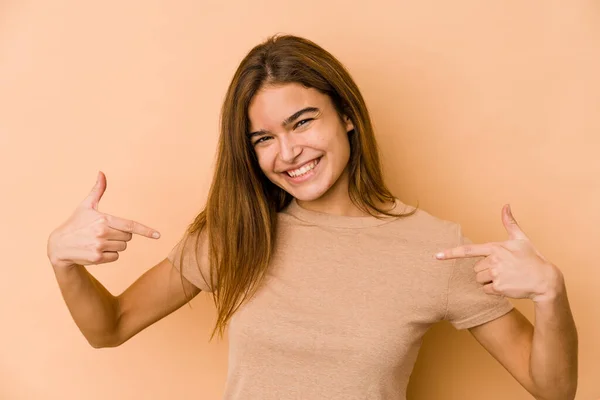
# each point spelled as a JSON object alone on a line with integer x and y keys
{"x": 339, "y": 144}
{"x": 265, "y": 159}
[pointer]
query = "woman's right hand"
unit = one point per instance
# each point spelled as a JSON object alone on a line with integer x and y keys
{"x": 92, "y": 237}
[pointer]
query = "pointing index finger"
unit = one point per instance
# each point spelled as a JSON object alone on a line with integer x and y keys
{"x": 126, "y": 225}
{"x": 465, "y": 251}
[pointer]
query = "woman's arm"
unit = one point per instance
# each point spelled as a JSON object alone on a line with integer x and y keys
{"x": 543, "y": 358}
{"x": 108, "y": 321}
{"x": 89, "y": 237}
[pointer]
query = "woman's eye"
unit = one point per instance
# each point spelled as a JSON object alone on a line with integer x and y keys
{"x": 303, "y": 122}
{"x": 259, "y": 140}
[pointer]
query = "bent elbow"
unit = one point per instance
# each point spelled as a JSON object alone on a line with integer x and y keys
{"x": 104, "y": 342}
{"x": 566, "y": 394}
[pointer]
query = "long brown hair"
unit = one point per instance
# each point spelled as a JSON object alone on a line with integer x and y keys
{"x": 240, "y": 216}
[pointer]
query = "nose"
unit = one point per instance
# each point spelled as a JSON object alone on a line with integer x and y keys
{"x": 288, "y": 149}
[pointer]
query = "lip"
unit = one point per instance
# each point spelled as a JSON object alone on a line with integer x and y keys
{"x": 306, "y": 176}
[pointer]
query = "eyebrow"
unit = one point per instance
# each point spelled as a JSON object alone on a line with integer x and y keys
{"x": 286, "y": 121}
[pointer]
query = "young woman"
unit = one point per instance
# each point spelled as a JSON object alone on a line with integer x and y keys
{"x": 325, "y": 280}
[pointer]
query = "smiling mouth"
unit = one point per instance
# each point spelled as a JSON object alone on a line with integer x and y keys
{"x": 306, "y": 168}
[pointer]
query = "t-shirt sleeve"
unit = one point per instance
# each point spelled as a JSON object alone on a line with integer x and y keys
{"x": 195, "y": 260}
{"x": 468, "y": 305}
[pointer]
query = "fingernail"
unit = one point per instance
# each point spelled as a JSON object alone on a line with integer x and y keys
{"x": 156, "y": 235}
{"x": 439, "y": 255}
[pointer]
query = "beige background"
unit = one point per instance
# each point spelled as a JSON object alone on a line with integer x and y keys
{"x": 475, "y": 104}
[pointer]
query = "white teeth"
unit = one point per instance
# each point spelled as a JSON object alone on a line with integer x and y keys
{"x": 303, "y": 170}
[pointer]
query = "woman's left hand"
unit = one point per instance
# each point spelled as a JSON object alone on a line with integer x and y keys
{"x": 513, "y": 268}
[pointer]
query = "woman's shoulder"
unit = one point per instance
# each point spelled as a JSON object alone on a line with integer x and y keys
{"x": 423, "y": 224}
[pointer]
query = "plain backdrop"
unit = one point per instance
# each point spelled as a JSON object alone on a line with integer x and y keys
{"x": 475, "y": 104}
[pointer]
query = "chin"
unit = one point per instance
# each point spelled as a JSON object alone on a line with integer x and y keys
{"x": 309, "y": 193}
{"x": 306, "y": 196}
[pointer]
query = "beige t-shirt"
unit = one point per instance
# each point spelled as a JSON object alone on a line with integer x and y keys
{"x": 345, "y": 305}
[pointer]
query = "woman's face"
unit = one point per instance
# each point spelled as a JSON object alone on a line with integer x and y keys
{"x": 300, "y": 141}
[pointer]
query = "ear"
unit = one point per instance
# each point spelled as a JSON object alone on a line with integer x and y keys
{"x": 349, "y": 124}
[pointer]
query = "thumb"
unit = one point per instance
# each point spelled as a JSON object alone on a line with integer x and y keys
{"x": 92, "y": 200}
{"x": 511, "y": 225}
